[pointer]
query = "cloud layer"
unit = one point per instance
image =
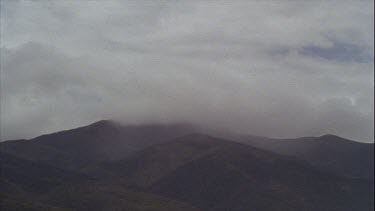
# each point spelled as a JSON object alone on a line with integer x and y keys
{"x": 273, "y": 68}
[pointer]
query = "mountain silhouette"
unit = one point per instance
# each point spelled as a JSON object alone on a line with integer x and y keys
{"x": 109, "y": 166}
{"x": 329, "y": 152}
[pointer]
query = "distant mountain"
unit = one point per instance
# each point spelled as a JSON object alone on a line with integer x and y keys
{"x": 215, "y": 174}
{"x": 331, "y": 153}
{"x": 103, "y": 140}
{"x": 109, "y": 166}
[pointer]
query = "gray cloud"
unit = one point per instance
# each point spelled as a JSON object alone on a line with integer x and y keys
{"x": 274, "y": 68}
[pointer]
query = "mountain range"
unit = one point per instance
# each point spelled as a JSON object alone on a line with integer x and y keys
{"x": 110, "y": 166}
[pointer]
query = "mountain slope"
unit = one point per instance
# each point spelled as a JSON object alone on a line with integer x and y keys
{"x": 107, "y": 166}
{"x": 215, "y": 174}
{"x": 108, "y": 197}
{"x": 28, "y": 185}
{"x": 103, "y": 140}
{"x": 19, "y": 175}
{"x": 329, "y": 152}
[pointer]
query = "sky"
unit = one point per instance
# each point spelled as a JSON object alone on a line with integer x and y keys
{"x": 276, "y": 68}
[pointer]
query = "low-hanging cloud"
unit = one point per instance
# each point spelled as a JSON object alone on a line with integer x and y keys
{"x": 274, "y": 68}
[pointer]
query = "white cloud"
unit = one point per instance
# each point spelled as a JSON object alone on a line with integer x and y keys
{"x": 238, "y": 65}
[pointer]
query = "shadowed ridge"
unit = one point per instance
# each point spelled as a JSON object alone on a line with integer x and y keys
{"x": 335, "y": 138}
{"x": 103, "y": 122}
{"x": 202, "y": 170}
{"x": 102, "y": 140}
{"x": 198, "y": 137}
{"x": 18, "y": 140}
{"x": 217, "y": 174}
{"x": 99, "y": 125}
{"x": 328, "y": 152}
{"x": 331, "y": 136}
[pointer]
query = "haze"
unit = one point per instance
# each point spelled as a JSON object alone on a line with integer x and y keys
{"x": 271, "y": 68}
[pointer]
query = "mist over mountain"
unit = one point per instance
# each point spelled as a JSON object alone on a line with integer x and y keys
{"x": 197, "y": 105}
{"x": 275, "y": 68}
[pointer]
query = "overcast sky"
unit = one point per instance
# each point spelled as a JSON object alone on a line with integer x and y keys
{"x": 273, "y": 68}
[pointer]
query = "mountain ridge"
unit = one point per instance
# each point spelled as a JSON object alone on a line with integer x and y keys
{"x": 169, "y": 167}
{"x": 108, "y": 139}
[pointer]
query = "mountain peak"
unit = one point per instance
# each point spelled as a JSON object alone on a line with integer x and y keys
{"x": 335, "y": 138}
{"x": 330, "y": 136}
{"x": 103, "y": 124}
